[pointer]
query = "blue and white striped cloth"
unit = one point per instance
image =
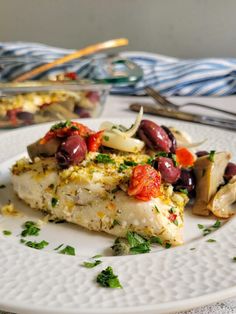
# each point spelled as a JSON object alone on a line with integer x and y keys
{"x": 170, "y": 76}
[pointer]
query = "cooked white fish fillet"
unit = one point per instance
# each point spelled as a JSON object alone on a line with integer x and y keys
{"x": 94, "y": 195}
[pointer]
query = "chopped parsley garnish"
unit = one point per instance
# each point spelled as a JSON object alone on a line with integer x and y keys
{"x": 192, "y": 249}
{"x": 161, "y": 154}
{"x": 217, "y": 224}
{"x": 185, "y": 191}
{"x": 106, "y": 138}
{"x": 54, "y": 201}
{"x": 130, "y": 163}
{"x": 137, "y": 243}
{"x": 108, "y": 279}
{"x": 200, "y": 226}
{"x": 168, "y": 245}
{"x": 122, "y": 167}
{"x": 156, "y": 240}
{"x": 31, "y": 229}
{"x": 211, "y": 156}
{"x": 210, "y": 240}
{"x": 172, "y": 210}
{"x": 115, "y": 223}
{"x": 68, "y": 250}
{"x": 173, "y": 157}
{"x": 91, "y": 264}
{"x": 37, "y": 245}
{"x": 97, "y": 256}
{"x": 104, "y": 159}
{"x": 22, "y": 240}
{"x": 58, "y": 247}
{"x": 176, "y": 222}
{"x": 61, "y": 125}
{"x": 2, "y": 186}
{"x": 208, "y": 230}
{"x": 234, "y": 258}
{"x": 6, "y": 232}
{"x": 156, "y": 208}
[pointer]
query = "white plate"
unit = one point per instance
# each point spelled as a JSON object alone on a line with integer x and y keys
{"x": 163, "y": 281}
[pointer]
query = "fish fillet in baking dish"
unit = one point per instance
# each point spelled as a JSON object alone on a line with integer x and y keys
{"x": 94, "y": 195}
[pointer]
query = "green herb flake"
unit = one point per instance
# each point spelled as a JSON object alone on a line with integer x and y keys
{"x": 60, "y": 125}
{"x": 234, "y": 258}
{"x": 150, "y": 160}
{"x": 68, "y": 250}
{"x": 141, "y": 248}
{"x": 168, "y": 245}
{"x": 192, "y": 249}
{"x": 7, "y": 232}
{"x": 173, "y": 157}
{"x": 217, "y": 224}
{"x": 211, "y": 156}
{"x": 108, "y": 279}
{"x": 130, "y": 163}
{"x": 185, "y": 191}
{"x": 176, "y": 222}
{"x": 210, "y": 240}
{"x": 200, "y": 226}
{"x": 97, "y": 256}
{"x": 104, "y": 159}
{"x": 54, "y": 201}
{"x": 115, "y": 223}
{"x": 37, "y": 245}
{"x": 172, "y": 210}
{"x": 91, "y": 264}
{"x": 156, "y": 240}
{"x": 122, "y": 167}
{"x": 106, "y": 138}
{"x": 156, "y": 208}
{"x": 31, "y": 229}
{"x": 2, "y": 186}
{"x": 22, "y": 240}
{"x": 58, "y": 247}
{"x": 161, "y": 154}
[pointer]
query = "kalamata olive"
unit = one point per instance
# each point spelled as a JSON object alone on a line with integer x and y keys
{"x": 186, "y": 180}
{"x": 154, "y": 136}
{"x": 171, "y": 137}
{"x": 230, "y": 171}
{"x": 25, "y": 116}
{"x": 71, "y": 151}
{"x": 169, "y": 172}
{"x": 81, "y": 112}
{"x": 202, "y": 153}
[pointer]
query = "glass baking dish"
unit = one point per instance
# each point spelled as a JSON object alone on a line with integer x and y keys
{"x": 33, "y": 102}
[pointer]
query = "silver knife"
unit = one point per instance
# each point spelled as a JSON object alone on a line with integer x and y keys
{"x": 185, "y": 116}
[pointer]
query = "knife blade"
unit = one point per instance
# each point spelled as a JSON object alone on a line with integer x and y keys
{"x": 229, "y": 124}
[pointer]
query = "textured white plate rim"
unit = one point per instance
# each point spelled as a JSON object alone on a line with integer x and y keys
{"x": 165, "y": 308}
{"x": 158, "y": 308}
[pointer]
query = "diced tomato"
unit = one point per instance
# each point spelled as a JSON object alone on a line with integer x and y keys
{"x": 184, "y": 157}
{"x": 145, "y": 182}
{"x": 172, "y": 217}
{"x": 94, "y": 141}
{"x": 65, "y": 129}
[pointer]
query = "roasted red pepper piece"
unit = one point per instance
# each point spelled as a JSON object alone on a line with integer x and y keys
{"x": 94, "y": 141}
{"x": 65, "y": 129}
{"x": 145, "y": 182}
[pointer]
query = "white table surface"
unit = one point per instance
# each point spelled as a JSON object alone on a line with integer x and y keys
{"x": 117, "y": 107}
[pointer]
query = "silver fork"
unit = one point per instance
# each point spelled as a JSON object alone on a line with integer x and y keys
{"x": 164, "y": 102}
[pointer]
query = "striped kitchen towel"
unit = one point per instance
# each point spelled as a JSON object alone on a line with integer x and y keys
{"x": 170, "y": 76}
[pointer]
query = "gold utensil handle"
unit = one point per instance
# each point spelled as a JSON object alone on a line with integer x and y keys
{"x": 77, "y": 54}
